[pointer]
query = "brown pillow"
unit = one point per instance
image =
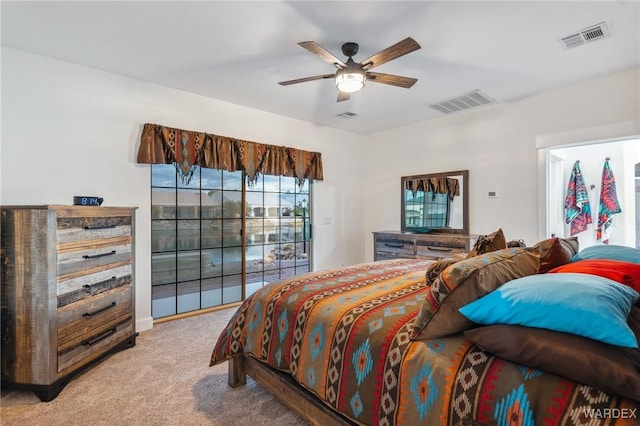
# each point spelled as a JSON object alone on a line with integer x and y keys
{"x": 516, "y": 243}
{"x": 555, "y": 252}
{"x": 434, "y": 269}
{"x": 462, "y": 283}
{"x": 488, "y": 243}
{"x": 609, "y": 368}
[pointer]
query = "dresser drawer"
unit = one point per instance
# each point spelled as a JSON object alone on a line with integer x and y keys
{"x": 77, "y": 320}
{"x": 437, "y": 252}
{"x": 94, "y": 344}
{"x": 78, "y": 229}
{"x": 438, "y": 247}
{"x": 86, "y": 286}
{"x": 398, "y": 247}
{"x": 74, "y": 261}
{"x": 382, "y": 255}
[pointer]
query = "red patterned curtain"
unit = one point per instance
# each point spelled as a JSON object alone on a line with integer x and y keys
{"x": 187, "y": 150}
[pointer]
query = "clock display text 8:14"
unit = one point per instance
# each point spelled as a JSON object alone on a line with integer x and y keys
{"x": 87, "y": 201}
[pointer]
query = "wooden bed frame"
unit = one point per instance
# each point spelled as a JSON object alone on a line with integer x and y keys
{"x": 283, "y": 387}
{"x": 291, "y": 394}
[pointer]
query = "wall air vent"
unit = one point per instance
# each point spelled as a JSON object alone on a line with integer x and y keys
{"x": 469, "y": 100}
{"x": 593, "y": 33}
{"x": 347, "y": 114}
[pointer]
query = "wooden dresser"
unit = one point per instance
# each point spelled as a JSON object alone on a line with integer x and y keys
{"x": 396, "y": 244}
{"x": 67, "y": 291}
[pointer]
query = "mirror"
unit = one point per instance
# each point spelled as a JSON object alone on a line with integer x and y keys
{"x": 435, "y": 202}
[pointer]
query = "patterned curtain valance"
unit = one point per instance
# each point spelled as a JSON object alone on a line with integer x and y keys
{"x": 187, "y": 150}
{"x": 436, "y": 185}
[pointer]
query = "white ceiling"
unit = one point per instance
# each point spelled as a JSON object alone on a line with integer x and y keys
{"x": 238, "y": 51}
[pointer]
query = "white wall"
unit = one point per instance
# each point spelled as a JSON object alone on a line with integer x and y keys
{"x": 497, "y": 143}
{"x": 70, "y": 130}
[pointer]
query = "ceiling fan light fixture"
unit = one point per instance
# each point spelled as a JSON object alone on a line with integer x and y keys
{"x": 350, "y": 81}
{"x": 351, "y": 75}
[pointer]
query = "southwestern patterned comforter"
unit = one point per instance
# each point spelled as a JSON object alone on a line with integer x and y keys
{"x": 345, "y": 336}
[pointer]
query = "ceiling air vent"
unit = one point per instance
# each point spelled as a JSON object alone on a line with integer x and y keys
{"x": 347, "y": 114}
{"x": 593, "y": 33}
{"x": 469, "y": 100}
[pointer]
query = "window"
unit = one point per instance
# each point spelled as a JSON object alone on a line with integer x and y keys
{"x": 199, "y": 256}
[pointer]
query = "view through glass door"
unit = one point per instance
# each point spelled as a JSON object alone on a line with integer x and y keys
{"x": 215, "y": 240}
{"x": 277, "y": 230}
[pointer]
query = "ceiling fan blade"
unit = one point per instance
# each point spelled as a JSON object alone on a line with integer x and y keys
{"x": 302, "y": 80}
{"x": 401, "y": 48}
{"x": 394, "y": 80}
{"x": 343, "y": 96}
{"x": 323, "y": 53}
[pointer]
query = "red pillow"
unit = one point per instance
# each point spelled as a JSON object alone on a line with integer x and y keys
{"x": 627, "y": 273}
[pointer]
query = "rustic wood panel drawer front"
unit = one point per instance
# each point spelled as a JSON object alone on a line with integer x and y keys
{"x": 74, "y": 229}
{"x": 90, "y": 260}
{"x": 86, "y": 286}
{"x": 396, "y": 244}
{"x": 103, "y": 341}
{"x": 68, "y": 291}
{"x": 440, "y": 247}
{"x": 78, "y": 319}
{"x": 381, "y": 255}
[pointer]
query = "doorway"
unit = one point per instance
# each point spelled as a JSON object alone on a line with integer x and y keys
{"x": 623, "y": 158}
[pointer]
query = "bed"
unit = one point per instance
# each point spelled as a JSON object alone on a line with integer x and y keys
{"x": 378, "y": 344}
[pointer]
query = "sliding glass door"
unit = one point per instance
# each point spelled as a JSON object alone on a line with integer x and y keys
{"x": 216, "y": 240}
{"x": 277, "y": 231}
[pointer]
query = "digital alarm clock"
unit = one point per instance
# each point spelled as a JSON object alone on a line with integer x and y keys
{"x": 84, "y": 200}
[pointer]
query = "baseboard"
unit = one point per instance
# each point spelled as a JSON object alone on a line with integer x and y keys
{"x": 143, "y": 324}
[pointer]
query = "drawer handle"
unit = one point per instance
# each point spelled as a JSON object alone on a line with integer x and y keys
{"x": 99, "y": 338}
{"x": 439, "y": 249}
{"x": 394, "y": 245}
{"x": 91, "y": 228}
{"x": 90, "y": 314}
{"x": 95, "y": 256}
{"x": 87, "y": 287}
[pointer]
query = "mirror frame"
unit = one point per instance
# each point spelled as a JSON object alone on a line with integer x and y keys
{"x": 465, "y": 202}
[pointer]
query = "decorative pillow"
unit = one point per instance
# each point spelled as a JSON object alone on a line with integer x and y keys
{"x": 434, "y": 269}
{"x": 488, "y": 243}
{"x": 612, "y": 252}
{"x": 626, "y": 273}
{"x": 612, "y": 369}
{"x": 555, "y": 252}
{"x": 581, "y": 304}
{"x": 516, "y": 243}
{"x": 464, "y": 282}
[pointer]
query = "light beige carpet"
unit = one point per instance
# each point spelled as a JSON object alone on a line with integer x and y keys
{"x": 164, "y": 380}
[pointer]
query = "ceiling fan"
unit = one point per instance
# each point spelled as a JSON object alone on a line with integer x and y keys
{"x": 351, "y": 76}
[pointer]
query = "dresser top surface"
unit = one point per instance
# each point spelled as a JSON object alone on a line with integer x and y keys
{"x": 427, "y": 235}
{"x": 63, "y": 207}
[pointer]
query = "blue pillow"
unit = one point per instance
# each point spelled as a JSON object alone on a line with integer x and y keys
{"x": 612, "y": 252}
{"x": 581, "y": 304}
